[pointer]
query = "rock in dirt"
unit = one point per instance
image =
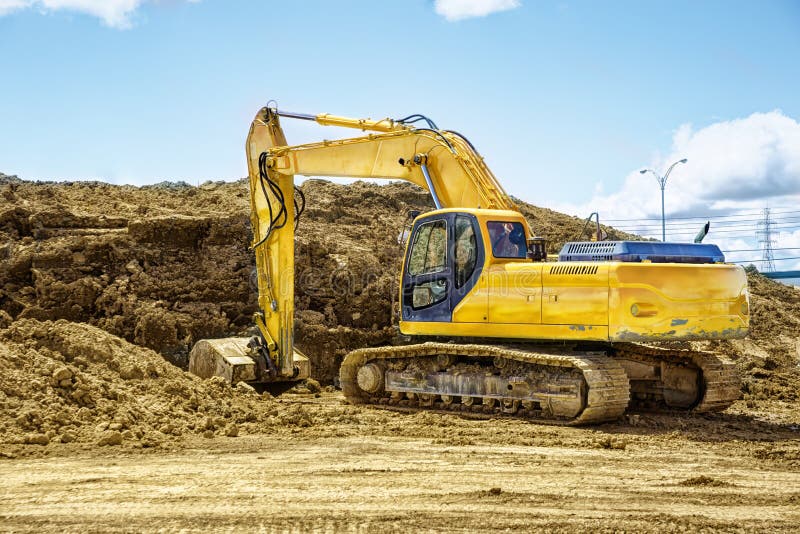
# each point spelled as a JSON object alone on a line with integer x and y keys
{"x": 61, "y": 373}
{"x": 110, "y": 437}
{"x": 37, "y": 439}
{"x": 246, "y": 388}
{"x": 312, "y": 385}
{"x": 5, "y": 319}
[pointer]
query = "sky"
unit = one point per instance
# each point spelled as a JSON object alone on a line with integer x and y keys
{"x": 567, "y": 100}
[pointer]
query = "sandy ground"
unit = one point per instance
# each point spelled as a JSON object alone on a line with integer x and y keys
{"x": 376, "y": 471}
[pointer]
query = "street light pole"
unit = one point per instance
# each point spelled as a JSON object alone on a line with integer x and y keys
{"x": 662, "y": 182}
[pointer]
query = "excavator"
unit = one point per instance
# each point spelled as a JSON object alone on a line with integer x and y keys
{"x": 498, "y": 328}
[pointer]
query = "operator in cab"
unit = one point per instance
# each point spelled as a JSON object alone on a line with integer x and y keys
{"x": 508, "y": 239}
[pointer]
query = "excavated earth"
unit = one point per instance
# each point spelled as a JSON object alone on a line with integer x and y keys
{"x": 104, "y": 289}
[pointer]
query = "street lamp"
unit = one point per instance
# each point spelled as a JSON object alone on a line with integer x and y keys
{"x": 662, "y": 181}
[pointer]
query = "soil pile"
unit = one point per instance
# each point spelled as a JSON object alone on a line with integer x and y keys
{"x": 143, "y": 264}
{"x": 769, "y": 359}
{"x": 163, "y": 266}
{"x": 65, "y": 382}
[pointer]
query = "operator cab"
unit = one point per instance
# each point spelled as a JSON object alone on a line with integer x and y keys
{"x": 447, "y": 252}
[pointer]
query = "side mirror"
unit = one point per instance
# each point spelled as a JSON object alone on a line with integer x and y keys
{"x": 402, "y": 237}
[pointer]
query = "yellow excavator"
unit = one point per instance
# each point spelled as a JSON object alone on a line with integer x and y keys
{"x": 501, "y": 330}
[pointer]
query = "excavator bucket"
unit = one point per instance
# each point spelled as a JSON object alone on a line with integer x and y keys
{"x": 232, "y": 359}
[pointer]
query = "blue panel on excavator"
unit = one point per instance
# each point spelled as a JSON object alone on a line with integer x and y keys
{"x": 637, "y": 251}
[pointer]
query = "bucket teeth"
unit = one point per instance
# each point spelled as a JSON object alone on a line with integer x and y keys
{"x": 226, "y": 357}
{"x": 231, "y": 358}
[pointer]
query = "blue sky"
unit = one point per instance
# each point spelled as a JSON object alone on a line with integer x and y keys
{"x": 566, "y": 100}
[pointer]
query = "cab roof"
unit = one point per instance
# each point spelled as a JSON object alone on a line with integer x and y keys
{"x": 478, "y": 212}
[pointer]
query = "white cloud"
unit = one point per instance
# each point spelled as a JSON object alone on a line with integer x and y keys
{"x": 113, "y": 13}
{"x": 737, "y": 164}
{"x": 453, "y": 10}
{"x": 7, "y": 6}
{"x": 743, "y": 164}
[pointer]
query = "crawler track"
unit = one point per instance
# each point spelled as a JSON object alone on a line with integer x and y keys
{"x": 566, "y": 388}
{"x": 546, "y": 386}
{"x": 704, "y": 383}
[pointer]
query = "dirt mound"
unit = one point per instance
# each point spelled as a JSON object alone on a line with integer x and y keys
{"x": 163, "y": 266}
{"x": 67, "y": 382}
{"x": 145, "y": 264}
{"x": 769, "y": 359}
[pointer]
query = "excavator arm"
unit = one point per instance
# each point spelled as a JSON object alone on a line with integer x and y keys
{"x": 442, "y": 162}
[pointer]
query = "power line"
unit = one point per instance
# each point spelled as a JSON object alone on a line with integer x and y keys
{"x": 759, "y": 250}
{"x": 727, "y": 231}
{"x": 743, "y": 227}
{"x": 747, "y": 222}
{"x": 645, "y": 223}
{"x": 786, "y": 209}
{"x": 779, "y": 211}
{"x": 773, "y": 259}
{"x": 764, "y": 234}
{"x": 712, "y": 219}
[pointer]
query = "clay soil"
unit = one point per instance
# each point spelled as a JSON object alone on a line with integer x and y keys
{"x": 103, "y": 289}
{"x": 333, "y": 467}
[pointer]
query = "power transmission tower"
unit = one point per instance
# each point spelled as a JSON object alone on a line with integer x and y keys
{"x": 764, "y": 234}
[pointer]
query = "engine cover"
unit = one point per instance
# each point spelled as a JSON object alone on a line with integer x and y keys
{"x": 638, "y": 251}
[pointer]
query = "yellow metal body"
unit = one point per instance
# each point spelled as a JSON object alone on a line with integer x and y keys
{"x": 274, "y": 254}
{"x": 514, "y": 298}
{"x": 459, "y": 174}
{"x": 599, "y": 301}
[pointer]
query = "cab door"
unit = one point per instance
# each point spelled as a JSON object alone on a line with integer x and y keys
{"x": 428, "y": 276}
{"x": 443, "y": 263}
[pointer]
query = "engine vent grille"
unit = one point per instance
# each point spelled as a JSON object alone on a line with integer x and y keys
{"x": 597, "y": 247}
{"x": 638, "y": 251}
{"x": 573, "y": 269}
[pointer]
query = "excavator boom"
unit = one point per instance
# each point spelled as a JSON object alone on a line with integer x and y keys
{"x": 442, "y": 162}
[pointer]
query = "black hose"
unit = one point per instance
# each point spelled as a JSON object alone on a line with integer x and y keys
{"x": 411, "y": 119}
{"x": 438, "y": 134}
{"x": 277, "y": 220}
{"x": 298, "y": 210}
{"x": 463, "y": 138}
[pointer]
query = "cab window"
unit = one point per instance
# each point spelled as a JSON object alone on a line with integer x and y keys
{"x": 508, "y": 239}
{"x": 428, "y": 294}
{"x": 429, "y": 249}
{"x": 466, "y": 250}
